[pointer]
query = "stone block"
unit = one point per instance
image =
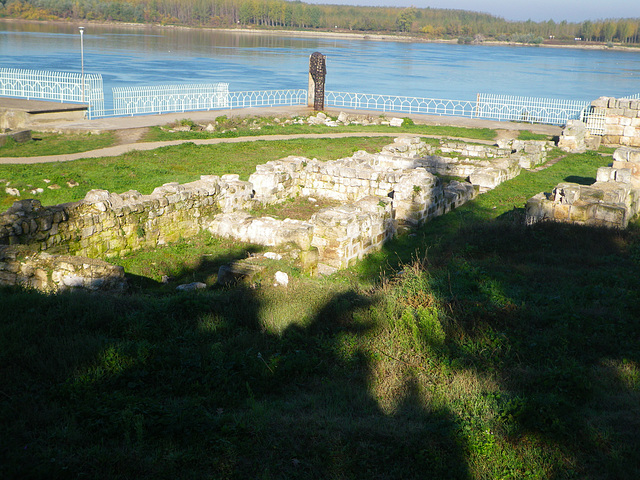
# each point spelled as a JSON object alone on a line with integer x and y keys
{"x": 561, "y": 212}
{"x": 580, "y": 214}
{"x": 593, "y": 142}
{"x": 602, "y": 102}
{"x": 604, "y": 174}
{"x": 610, "y": 216}
{"x": 614, "y": 130}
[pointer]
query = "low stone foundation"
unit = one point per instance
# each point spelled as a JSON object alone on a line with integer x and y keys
{"x": 380, "y": 195}
{"x": 486, "y": 166}
{"x": 19, "y": 265}
{"x": 108, "y": 224}
{"x": 611, "y": 201}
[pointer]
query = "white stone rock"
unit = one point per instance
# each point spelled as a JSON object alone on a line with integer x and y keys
{"x": 272, "y": 256}
{"x": 186, "y": 287}
{"x": 73, "y": 281}
{"x": 12, "y": 191}
{"x": 396, "y": 122}
{"x": 282, "y": 278}
{"x": 324, "y": 269}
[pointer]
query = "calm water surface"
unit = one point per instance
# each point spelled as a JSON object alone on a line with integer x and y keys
{"x": 152, "y": 56}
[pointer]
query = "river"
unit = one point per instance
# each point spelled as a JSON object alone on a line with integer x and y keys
{"x": 134, "y": 56}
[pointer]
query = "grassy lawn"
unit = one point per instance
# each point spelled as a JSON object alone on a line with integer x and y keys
{"x": 146, "y": 170}
{"x": 57, "y": 144}
{"x": 474, "y": 348}
{"x": 251, "y": 126}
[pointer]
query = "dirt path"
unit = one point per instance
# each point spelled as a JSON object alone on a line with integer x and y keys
{"x": 130, "y": 135}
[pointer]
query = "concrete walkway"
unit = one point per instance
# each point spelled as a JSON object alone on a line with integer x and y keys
{"x": 143, "y": 121}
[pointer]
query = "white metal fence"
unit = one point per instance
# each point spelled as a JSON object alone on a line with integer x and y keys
{"x": 58, "y": 86}
{"x": 527, "y": 109}
{"x": 181, "y": 98}
{"x": 389, "y": 103}
{"x": 169, "y": 98}
{"x": 494, "y": 107}
{"x": 267, "y": 98}
{"x": 68, "y": 87}
{"x": 594, "y": 118}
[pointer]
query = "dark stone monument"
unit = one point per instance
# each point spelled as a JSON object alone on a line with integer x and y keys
{"x": 317, "y": 74}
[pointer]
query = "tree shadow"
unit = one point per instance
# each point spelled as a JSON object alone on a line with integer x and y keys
{"x": 201, "y": 385}
{"x": 550, "y": 314}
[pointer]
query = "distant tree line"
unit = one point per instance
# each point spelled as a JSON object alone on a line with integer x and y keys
{"x": 425, "y": 22}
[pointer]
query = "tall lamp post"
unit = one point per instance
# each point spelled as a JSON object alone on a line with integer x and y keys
{"x": 82, "y": 57}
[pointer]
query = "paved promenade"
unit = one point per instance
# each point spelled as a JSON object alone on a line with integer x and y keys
{"x": 119, "y": 123}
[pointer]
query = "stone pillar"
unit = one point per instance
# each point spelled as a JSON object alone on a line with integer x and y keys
{"x": 317, "y": 74}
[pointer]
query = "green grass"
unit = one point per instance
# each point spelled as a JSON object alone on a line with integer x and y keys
{"x": 238, "y": 127}
{"x": 57, "y": 144}
{"x": 145, "y": 170}
{"x": 528, "y": 135}
{"x": 476, "y": 348}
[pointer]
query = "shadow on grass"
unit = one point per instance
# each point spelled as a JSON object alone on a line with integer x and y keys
{"x": 580, "y": 180}
{"x": 215, "y": 384}
{"x": 200, "y": 385}
{"x": 551, "y": 314}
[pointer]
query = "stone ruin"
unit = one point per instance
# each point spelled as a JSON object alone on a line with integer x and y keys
{"x": 611, "y": 201}
{"x": 607, "y": 121}
{"x": 576, "y": 138}
{"x": 19, "y": 136}
{"x": 380, "y": 194}
{"x": 621, "y": 120}
{"x": 485, "y": 166}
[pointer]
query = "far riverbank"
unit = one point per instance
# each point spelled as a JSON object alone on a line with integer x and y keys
{"x": 351, "y": 35}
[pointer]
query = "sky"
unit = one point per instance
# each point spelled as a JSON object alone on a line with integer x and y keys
{"x": 536, "y": 10}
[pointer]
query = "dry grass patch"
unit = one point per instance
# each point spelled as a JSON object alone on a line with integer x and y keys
{"x": 298, "y": 208}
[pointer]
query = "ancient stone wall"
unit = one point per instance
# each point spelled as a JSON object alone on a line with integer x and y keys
{"x": 621, "y": 120}
{"x": 107, "y": 224}
{"x": 474, "y": 151}
{"x": 611, "y": 201}
{"x": 20, "y": 265}
{"x": 486, "y": 166}
{"x": 395, "y": 173}
{"x": 380, "y": 194}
